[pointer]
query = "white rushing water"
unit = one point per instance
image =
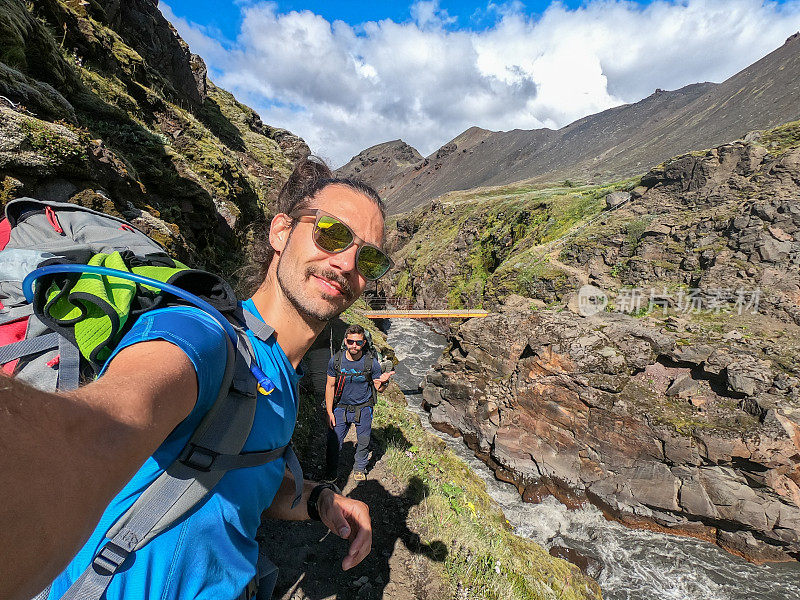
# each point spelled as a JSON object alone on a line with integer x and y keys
{"x": 631, "y": 564}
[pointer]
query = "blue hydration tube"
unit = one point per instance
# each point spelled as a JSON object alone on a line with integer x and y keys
{"x": 27, "y": 288}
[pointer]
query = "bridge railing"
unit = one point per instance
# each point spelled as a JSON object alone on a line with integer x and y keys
{"x": 384, "y": 303}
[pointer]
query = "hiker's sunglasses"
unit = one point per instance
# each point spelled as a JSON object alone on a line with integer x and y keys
{"x": 333, "y": 236}
{"x": 358, "y": 343}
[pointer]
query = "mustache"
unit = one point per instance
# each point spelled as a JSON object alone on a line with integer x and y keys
{"x": 332, "y": 275}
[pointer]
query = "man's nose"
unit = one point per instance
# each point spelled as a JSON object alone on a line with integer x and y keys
{"x": 345, "y": 261}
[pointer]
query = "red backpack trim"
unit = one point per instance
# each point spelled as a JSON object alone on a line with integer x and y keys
{"x": 9, "y": 333}
{"x": 5, "y": 233}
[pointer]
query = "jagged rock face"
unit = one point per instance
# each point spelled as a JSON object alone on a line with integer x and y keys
{"x": 146, "y": 31}
{"x": 720, "y": 220}
{"x": 118, "y": 114}
{"x": 659, "y": 428}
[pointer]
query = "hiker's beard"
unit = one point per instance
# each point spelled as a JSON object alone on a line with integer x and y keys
{"x": 298, "y": 287}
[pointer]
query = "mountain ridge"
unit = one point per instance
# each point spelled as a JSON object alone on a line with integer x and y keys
{"x": 619, "y": 142}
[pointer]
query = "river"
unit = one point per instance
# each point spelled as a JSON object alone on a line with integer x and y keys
{"x": 633, "y": 564}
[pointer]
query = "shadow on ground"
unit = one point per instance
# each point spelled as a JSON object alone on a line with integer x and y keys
{"x": 398, "y": 567}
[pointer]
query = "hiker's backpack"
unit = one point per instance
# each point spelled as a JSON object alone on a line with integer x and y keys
{"x": 75, "y": 320}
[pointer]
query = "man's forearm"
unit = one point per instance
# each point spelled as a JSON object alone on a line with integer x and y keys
{"x": 64, "y": 457}
{"x": 281, "y": 507}
{"x": 51, "y": 497}
{"x": 346, "y": 517}
{"x": 329, "y": 398}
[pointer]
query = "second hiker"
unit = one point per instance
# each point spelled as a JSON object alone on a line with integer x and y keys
{"x": 354, "y": 378}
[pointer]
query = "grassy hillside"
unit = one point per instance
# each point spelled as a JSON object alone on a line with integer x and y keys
{"x": 677, "y": 228}
{"x": 469, "y": 247}
{"x": 105, "y": 106}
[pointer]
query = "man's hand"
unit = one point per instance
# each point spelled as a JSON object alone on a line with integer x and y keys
{"x": 331, "y": 419}
{"x": 349, "y": 519}
{"x": 382, "y": 381}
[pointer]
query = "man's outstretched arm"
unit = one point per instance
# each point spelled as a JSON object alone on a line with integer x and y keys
{"x": 64, "y": 457}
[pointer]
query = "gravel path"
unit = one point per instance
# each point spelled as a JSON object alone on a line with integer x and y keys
{"x": 309, "y": 556}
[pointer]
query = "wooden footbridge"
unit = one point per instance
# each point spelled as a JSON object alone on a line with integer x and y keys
{"x": 400, "y": 308}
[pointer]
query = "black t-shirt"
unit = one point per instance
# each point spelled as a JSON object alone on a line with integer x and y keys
{"x": 357, "y": 389}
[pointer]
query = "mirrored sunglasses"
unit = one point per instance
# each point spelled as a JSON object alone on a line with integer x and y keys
{"x": 333, "y": 236}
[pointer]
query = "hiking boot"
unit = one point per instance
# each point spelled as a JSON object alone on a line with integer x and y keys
{"x": 359, "y": 476}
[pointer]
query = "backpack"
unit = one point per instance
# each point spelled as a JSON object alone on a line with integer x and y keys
{"x": 59, "y": 334}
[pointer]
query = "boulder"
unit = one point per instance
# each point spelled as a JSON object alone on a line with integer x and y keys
{"x": 682, "y": 387}
{"x": 615, "y": 199}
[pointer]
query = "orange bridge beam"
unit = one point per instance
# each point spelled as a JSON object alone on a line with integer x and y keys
{"x": 425, "y": 314}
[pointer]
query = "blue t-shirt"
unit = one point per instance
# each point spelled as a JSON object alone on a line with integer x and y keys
{"x": 212, "y": 552}
{"x": 357, "y": 389}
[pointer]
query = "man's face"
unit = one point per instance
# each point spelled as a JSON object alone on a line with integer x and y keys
{"x": 354, "y": 342}
{"x": 320, "y": 284}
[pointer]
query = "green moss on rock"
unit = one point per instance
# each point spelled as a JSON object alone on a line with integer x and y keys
{"x": 782, "y": 138}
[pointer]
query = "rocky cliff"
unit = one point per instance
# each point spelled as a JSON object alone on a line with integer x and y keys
{"x": 103, "y": 104}
{"x": 675, "y": 402}
{"x": 664, "y": 426}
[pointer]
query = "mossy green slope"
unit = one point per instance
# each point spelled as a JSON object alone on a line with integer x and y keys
{"x": 476, "y": 246}
{"x": 83, "y": 101}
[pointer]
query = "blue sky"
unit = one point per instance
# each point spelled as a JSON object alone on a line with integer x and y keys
{"x": 348, "y": 75}
{"x": 226, "y": 16}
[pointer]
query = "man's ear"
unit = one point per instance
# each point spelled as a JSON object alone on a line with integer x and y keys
{"x": 279, "y": 231}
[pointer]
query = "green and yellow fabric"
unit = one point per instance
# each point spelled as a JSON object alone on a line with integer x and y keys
{"x": 94, "y": 310}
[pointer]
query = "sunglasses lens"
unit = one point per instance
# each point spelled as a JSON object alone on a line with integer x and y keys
{"x": 332, "y": 235}
{"x": 372, "y": 263}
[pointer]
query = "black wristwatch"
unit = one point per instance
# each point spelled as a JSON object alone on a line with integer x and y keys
{"x": 313, "y": 498}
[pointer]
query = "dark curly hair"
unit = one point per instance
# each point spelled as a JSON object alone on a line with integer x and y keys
{"x": 310, "y": 176}
{"x": 354, "y": 328}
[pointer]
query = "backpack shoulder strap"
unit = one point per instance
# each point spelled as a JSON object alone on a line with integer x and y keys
{"x": 340, "y": 378}
{"x": 337, "y": 362}
{"x": 369, "y": 358}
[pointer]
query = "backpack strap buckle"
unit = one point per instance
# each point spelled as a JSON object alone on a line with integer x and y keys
{"x": 198, "y": 458}
{"x": 110, "y": 557}
{"x": 250, "y": 590}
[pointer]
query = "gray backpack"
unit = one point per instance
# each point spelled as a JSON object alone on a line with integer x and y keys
{"x": 45, "y": 351}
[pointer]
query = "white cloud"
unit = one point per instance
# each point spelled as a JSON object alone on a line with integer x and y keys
{"x": 344, "y": 88}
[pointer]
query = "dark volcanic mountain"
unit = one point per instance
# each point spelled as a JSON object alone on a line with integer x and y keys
{"x": 382, "y": 162}
{"x": 619, "y": 142}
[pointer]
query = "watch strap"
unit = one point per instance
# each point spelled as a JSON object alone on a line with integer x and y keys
{"x": 313, "y": 498}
